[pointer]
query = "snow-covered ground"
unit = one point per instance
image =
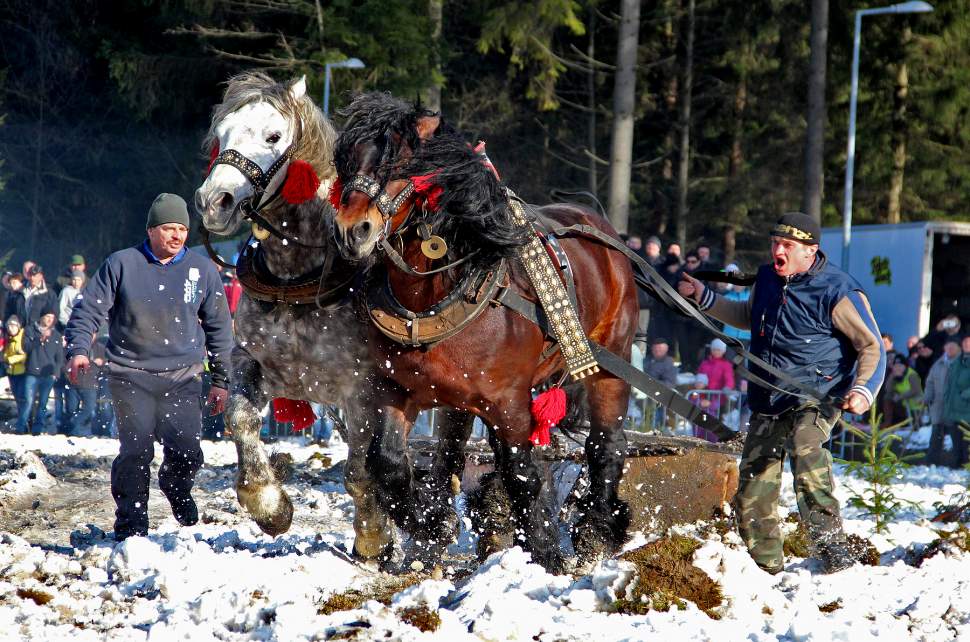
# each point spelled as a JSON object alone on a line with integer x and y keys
{"x": 223, "y": 579}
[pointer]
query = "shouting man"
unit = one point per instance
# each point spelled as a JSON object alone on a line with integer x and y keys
{"x": 811, "y": 320}
{"x": 166, "y": 311}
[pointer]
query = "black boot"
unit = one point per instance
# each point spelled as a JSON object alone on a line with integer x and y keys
{"x": 184, "y": 509}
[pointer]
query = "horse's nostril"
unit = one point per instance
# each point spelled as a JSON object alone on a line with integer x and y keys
{"x": 361, "y": 232}
{"x": 225, "y": 201}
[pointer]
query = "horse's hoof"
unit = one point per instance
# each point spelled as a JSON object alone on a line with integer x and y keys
{"x": 269, "y": 506}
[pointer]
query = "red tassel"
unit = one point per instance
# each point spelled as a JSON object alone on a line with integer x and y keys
{"x": 213, "y": 154}
{"x": 336, "y": 193}
{"x": 296, "y": 410}
{"x": 301, "y": 183}
{"x": 548, "y": 409}
{"x": 430, "y": 191}
{"x": 486, "y": 161}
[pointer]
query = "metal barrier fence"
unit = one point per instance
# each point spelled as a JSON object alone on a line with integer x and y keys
{"x": 727, "y": 405}
{"x": 845, "y": 445}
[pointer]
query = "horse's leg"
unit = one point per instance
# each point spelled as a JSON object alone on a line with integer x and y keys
{"x": 489, "y": 508}
{"x": 603, "y": 516}
{"x": 374, "y": 533}
{"x": 449, "y": 460}
{"x": 257, "y": 487}
{"x": 536, "y": 528}
{"x": 421, "y": 508}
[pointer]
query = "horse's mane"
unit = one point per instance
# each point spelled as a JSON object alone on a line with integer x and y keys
{"x": 474, "y": 212}
{"x": 317, "y": 136}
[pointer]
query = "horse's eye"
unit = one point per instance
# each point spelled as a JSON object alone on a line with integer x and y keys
{"x": 274, "y": 138}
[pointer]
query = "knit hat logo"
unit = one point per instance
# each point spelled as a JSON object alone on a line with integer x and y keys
{"x": 191, "y": 286}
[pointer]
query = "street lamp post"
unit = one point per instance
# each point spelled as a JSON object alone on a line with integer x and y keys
{"x": 906, "y": 7}
{"x": 350, "y": 63}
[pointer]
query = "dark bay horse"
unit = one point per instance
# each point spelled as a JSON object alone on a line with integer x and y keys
{"x": 405, "y": 178}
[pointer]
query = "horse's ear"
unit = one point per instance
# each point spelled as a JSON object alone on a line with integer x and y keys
{"x": 298, "y": 88}
{"x": 426, "y": 126}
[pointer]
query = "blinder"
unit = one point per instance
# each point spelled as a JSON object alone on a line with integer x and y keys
{"x": 387, "y": 206}
{"x": 259, "y": 179}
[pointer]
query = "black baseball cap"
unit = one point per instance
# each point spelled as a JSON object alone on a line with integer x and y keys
{"x": 798, "y": 227}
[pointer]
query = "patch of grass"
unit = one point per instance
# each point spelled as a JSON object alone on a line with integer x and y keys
{"x": 421, "y": 618}
{"x": 863, "y": 550}
{"x": 382, "y": 591}
{"x": 958, "y": 538}
{"x": 666, "y": 578}
{"x": 38, "y": 597}
{"x": 830, "y": 606}
{"x": 797, "y": 543}
{"x": 324, "y": 459}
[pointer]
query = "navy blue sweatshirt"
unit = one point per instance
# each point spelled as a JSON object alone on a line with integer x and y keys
{"x": 161, "y": 316}
{"x": 45, "y": 357}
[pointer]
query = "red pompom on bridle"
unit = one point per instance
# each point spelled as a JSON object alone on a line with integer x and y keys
{"x": 429, "y": 191}
{"x": 301, "y": 182}
{"x": 213, "y": 154}
{"x": 336, "y": 193}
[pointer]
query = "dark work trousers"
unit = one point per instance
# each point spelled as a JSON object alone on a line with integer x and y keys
{"x": 154, "y": 406}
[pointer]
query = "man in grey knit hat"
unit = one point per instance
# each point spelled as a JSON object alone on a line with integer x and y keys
{"x": 167, "y": 312}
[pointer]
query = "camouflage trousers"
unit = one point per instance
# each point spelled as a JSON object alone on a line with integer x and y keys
{"x": 800, "y": 433}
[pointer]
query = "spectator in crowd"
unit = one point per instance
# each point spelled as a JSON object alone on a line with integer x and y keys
{"x": 166, "y": 311}
{"x": 704, "y": 255}
{"x": 663, "y": 320}
{"x": 887, "y": 342}
{"x": 660, "y": 365}
{"x": 651, "y": 250}
{"x": 702, "y": 400}
{"x": 104, "y": 414}
{"x": 233, "y": 288}
{"x": 719, "y": 373}
{"x": 911, "y": 349}
{"x": 933, "y": 398}
{"x": 77, "y": 264}
{"x": 635, "y": 244}
{"x": 68, "y": 296}
{"x": 904, "y": 393}
{"x": 923, "y": 360}
{"x": 81, "y": 397}
{"x": 687, "y": 334}
{"x": 26, "y": 268}
{"x": 649, "y": 307}
{"x": 946, "y": 328}
{"x": 674, "y": 250}
{"x": 15, "y": 359}
{"x": 13, "y": 284}
{"x": 34, "y": 299}
{"x": 44, "y": 346}
{"x": 956, "y": 403}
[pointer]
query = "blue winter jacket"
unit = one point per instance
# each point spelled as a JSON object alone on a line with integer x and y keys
{"x": 815, "y": 326}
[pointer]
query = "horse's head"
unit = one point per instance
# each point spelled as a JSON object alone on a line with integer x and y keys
{"x": 373, "y": 195}
{"x": 260, "y": 133}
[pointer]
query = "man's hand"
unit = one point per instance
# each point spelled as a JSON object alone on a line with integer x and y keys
{"x": 78, "y": 366}
{"x": 856, "y": 403}
{"x": 690, "y": 288}
{"x": 217, "y": 400}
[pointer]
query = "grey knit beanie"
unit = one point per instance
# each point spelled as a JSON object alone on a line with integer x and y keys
{"x": 168, "y": 208}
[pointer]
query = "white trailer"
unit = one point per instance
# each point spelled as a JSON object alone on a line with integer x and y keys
{"x": 914, "y": 273}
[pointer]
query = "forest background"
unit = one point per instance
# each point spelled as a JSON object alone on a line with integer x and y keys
{"x": 104, "y": 105}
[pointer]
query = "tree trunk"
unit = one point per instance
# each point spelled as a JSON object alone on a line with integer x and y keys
{"x": 433, "y": 93}
{"x": 899, "y": 133}
{"x": 671, "y": 8}
{"x": 591, "y": 105}
{"x": 683, "y": 126}
{"x": 621, "y": 160}
{"x": 815, "y": 131}
{"x": 737, "y": 210}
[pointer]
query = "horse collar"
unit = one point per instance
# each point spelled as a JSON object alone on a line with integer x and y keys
{"x": 261, "y": 285}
